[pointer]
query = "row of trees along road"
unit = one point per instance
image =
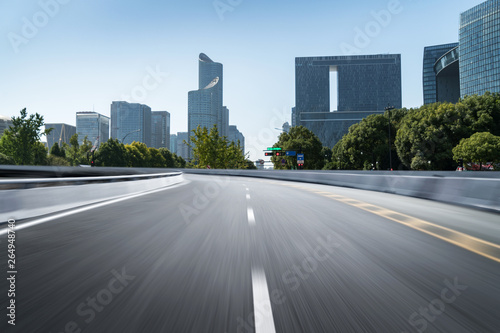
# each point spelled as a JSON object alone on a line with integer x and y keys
{"x": 20, "y": 145}
{"x": 432, "y": 137}
{"x": 211, "y": 150}
{"x": 425, "y": 138}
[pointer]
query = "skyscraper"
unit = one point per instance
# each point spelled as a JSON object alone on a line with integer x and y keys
{"x": 92, "y": 125}
{"x": 480, "y": 49}
{"x": 429, "y": 78}
{"x": 173, "y": 143}
{"x": 182, "y": 148}
{"x": 366, "y": 84}
{"x": 223, "y": 123}
{"x": 160, "y": 129}
{"x": 61, "y": 133}
{"x": 131, "y": 122}
{"x": 235, "y": 135}
{"x": 205, "y": 105}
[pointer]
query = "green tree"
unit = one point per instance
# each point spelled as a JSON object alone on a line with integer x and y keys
{"x": 56, "y": 160}
{"x": 6, "y": 160}
{"x": 57, "y": 151}
{"x": 214, "y": 151}
{"x": 481, "y": 147}
{"x": 72, "y": 150}
{"x": 20, "y": 140}
{"x": 111, "y": 153}
{"x": 156, "y": 158}
{"x": 168, "y": 157}
{"x": 40, "y": 154}
{"x": 139, "y": 155}
{"x": 427, "y": 135}
{"x": 84, "y": 151}
{"x": 234, "y": 158}
{"x": 251, "y": 165}
{"x": 299, "y": 139}
{"x": 481, "y": 113}
{"x": 179, "y": 161}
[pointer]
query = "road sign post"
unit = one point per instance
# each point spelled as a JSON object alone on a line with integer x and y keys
{"x": 300, "y": 160}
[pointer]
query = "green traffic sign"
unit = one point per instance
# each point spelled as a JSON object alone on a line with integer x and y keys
{"x": 271, "y": 148}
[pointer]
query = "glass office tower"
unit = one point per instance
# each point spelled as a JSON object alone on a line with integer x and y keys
{"x": 480, "y": 49}
{"x": 366, "y": 84}
{"x": 205, "y": 105}
{"x": 431, "y": 55}
{"x": 61, "y": 133}
{"x": 235, "y": 135}
{"x": 160, "y": 129}
{"x": 131, "y": 122}
{"x": 92, "y": 125}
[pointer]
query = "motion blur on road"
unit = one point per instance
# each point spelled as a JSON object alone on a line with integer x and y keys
{"x": 235, "y": 254}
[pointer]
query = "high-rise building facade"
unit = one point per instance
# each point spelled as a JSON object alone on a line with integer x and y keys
{"x": 160, "y": 129}
{"x": 92, "y": 125}
{"x": 480, "y": 49}
{"x": 205, "y": 105}
{"x": 131, "y": 122}
{"x": 182, "y": 147}
{"x": 61, "y": 133}
{"x": 366, "y": 84}
{"x": 235, "y": 135}
{"x": 430, "y": 81}
{"x": 173, "y": 143}
{"x": 223, "y": 123}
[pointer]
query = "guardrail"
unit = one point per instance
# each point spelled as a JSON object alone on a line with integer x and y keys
{"x": 23, "y": 198}
{"x": 478, "y": 189}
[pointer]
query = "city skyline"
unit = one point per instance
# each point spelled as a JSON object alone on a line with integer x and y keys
{"x": 86, "y": 55}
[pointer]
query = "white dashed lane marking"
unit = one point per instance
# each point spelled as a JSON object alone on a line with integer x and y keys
{"x": 262, "y": 302}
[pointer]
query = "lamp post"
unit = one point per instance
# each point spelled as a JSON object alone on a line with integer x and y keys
{"x": 388, "y": 109}
{"x": 123, "y": 139}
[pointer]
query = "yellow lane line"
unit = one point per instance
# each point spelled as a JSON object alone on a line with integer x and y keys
{"x": 470, "y": 243}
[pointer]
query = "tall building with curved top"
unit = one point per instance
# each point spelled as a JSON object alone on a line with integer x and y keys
{"x": 480, "y": 49}
{"x": 205, "y": 105}
{"x": 431, "y": 55}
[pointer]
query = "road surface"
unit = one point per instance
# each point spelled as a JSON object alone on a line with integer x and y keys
{"x": 230, "y": 254}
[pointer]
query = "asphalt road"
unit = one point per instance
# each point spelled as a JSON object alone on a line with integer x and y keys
{"x": 218, "y": 254}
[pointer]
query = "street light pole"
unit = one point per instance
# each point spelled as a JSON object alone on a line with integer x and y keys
{"x": 123, "y": 139}
{"x": 388, "y": 109}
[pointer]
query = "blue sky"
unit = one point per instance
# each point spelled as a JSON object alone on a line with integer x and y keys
{"x": 82, "y": 55}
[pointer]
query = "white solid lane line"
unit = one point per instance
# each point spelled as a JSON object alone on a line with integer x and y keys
{"x": 264, "y": 321}
{"x": 251, "y": 216}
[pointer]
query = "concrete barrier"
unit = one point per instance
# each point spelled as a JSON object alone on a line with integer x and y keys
{"x": 478, "y": 189}
{"x": 35, "y": 197}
